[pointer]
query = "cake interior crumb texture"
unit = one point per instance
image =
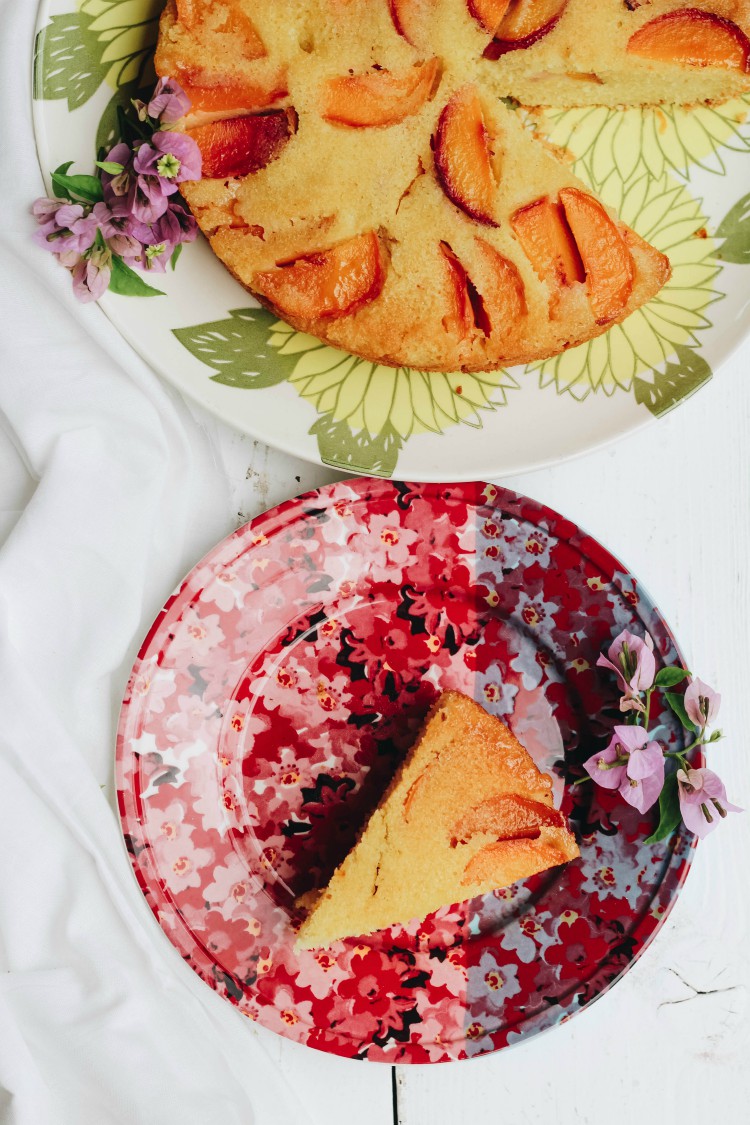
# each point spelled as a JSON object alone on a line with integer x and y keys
{"x": 371, "y": 195}
{"x": 467, "y": 812}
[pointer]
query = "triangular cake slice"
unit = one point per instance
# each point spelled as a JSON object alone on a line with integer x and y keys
{"x": 468, "y": 812}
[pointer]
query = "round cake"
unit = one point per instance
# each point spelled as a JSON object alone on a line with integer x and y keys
{"x": 367, "y": 176}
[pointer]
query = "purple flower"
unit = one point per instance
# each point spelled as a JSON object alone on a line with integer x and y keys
{"x": 631, "y": 764}
{"x": 169, "y": 102}
{"x": 91, "y": 275}
{"x": 67, "y": 230}
{"x": 703, "y": 800}
{"x": 171, "y": 158}
{"x": 701, "y": 703}
{"x": 632, "y": 661}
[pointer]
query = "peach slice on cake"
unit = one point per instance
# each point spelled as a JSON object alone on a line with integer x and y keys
{"x": 608, "y": 263}
{"x": 380, "y": 97}
{"x": 410, "y": 17}
{"x": 491, "y": 300}
{"x": 548, "y": 243}
{"x": 693, "y": 38}
{"x": 459, "y": 320}
{"x": 501, "y": 288}
{"x": 213, "y": 94}
{"x": 239, "y": 146}
{"x": 488, "y": 13}
{"x": 526, "y": 22}
{"x": 326, "y": 284}
{"x": 463, "y": 158}
{"x": 236, "y": 22}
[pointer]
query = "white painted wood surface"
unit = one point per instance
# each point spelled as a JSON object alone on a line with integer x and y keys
{"x": 671, "y": 1042}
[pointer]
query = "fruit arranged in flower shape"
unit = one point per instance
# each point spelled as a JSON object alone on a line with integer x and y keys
{"x": 468, "y": 812}
{"x": 363, "y": 177}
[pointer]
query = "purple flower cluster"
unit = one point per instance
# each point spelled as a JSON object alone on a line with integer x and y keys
{"x": 635, "y": 764}
{"x": 141, "y": 218}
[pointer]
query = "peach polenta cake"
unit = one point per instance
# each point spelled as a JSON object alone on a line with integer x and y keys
{"x": 366, "y": 175}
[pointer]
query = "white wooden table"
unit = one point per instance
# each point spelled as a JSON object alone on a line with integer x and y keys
{"x": 671, "y": 1042}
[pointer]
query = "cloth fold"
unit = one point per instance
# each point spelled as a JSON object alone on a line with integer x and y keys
{"x": 110, "y": 490}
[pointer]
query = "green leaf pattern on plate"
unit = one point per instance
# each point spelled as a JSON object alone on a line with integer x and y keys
{"x": 734, "y": 229}
{"x": 639, "y": 161}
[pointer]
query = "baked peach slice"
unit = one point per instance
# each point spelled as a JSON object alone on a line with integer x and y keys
{"x": 213, "y": 94}
{"x": 501, "y": 287}
{"x": 693, "y": 38}
{"x": 190, "y": 13}
{"x": 491, "y": 300}
{"x": 326, "y": 284}
{"x": 488, "y": 13}
{"x": 380, "y": 97}
{"x": 508, "y": 816}
{"x": 525, "y": 23}
{"x": 608, "y": 263}
{"x": 238, "y": 146}
{"x": 460, "y": 318}
{"x": 462, "y": 156}
{"x": 548, "y": 242}
{"x": 410, "y": 17}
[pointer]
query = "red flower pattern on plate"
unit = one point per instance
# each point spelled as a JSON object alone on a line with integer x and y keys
{"x": 275, "y": 695}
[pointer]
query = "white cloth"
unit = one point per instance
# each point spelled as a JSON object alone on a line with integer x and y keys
{"x": 109, "y": 491}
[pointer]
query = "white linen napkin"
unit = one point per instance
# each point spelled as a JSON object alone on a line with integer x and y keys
{"x": 109, "y": 492}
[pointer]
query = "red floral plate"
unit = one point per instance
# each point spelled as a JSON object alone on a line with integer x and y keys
{"x": 274, "y": 696}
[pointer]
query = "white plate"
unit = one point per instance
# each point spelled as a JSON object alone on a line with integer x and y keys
{"x": 676, "y": 176}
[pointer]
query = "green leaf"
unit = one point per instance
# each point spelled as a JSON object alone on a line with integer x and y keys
{"x": 61, "y": 192}
{"x": 238, "y": 350}
{"x": 175, "y": 255}
{"x": 115, "y": 124}
{"x": 128, "y": 283}
{"x": 735, "y": 231}
{"x": 342, "y": 449}
{"x": 110, "y": 166}
{"x": 675, "y": 383}
{"x": 668, "y": 677}
{"x": 669, "y": 810}
{"x": 68, "y": 60}
{"x": 88, "y": 188}
{"x": 677, "y": 703}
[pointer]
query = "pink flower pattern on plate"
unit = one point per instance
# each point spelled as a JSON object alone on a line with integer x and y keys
{"x": 306, "y": 650}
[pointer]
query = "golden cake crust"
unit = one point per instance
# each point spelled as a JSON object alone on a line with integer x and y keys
{"x": 391, "y": 203}
{"x": 467, "y": 812}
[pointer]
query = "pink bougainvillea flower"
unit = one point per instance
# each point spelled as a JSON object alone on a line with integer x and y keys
{"x": 169, "y": 102}
{"x": 703, "y": 800}
{"x": 65, "y": 229}
{"x": 170, "y": 158}
{"x": 632, "y": 764}
{"x": 701, "y": 703}
{"x": 91, "y": 275}
{"x": 632, "y": 661}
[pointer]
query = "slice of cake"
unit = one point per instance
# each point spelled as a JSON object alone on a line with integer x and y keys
{"x": 466, "y": 813}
